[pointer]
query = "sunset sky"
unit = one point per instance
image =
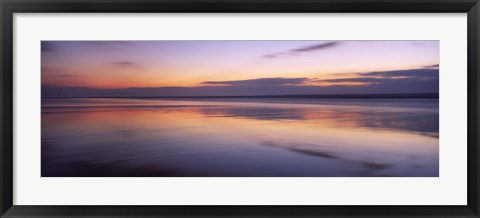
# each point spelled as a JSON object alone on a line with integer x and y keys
{"x": 238, "y": 67}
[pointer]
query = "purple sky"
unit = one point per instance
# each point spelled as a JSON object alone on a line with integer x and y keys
{"x": 241, "y": 67}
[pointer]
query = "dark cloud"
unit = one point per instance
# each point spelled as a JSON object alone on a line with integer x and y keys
{"x": 48, "y": 46}
{"x": 434, "y": 66}
{"x": 68, "y": 75}
{"x": 315, "y": 47}
{"x": 270, "y": 56}
{"x": 59, "y": 73}
{"x": 387, "y": 77}
{"x": 418, "y": 43}
{"x": 106, "y": 42}
{"x": 125, "y": 64}
{"x": 94, "y": 46}
{"x": 262, "y": 81}
{"x": 357, "y": 79}
{"x": 371, "y": 80}
{"x": 301, "y": 50}
{"x": 378, "y": 82}
{"x": 107, "y": 45}
{"x": 413, "y": 73}
{"x": 392, "y": 86}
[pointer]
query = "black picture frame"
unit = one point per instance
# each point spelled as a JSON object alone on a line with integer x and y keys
{"x": 9, "y": 7}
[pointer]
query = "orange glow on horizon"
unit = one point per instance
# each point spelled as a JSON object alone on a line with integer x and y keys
{"x": 146, "y": 64}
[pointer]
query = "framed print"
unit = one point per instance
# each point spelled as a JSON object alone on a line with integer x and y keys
{"x": 239, "y": 108}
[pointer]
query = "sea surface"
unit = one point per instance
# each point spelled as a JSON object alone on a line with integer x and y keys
{"x": 240, "y": 137}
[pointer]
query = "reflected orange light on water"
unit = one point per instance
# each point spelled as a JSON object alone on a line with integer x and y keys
{"x": 358, "y": 140}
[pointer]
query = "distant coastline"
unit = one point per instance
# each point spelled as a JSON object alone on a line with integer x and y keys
{"x": 327, "y": 96}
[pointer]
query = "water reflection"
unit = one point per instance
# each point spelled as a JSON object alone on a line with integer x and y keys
{"x": 151, "y": 137}
{"x": 410, "y": 120}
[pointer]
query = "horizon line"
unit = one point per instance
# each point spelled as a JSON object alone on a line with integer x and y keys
{"x": 359, "y": 96}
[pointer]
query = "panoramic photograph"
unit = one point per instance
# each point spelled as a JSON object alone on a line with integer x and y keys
{"x": 240, "y": 108}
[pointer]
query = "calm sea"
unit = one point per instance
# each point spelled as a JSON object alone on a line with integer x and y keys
{"x": 258, "y": 137}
